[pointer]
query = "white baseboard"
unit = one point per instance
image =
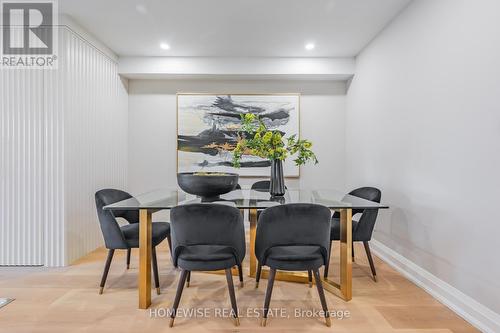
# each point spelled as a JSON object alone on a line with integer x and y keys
{"x": 466, "y": 307}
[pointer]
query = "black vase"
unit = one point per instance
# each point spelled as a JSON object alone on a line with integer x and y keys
{"x": 277, "y": 184}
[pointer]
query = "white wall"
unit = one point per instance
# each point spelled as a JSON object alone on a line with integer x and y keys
{"x": 152, "y": 127}
{"x": 423, "y": 124}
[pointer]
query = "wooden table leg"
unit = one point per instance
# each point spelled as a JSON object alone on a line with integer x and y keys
{"x": 346, "y": 253}
{"x": 145, "y": 233}
{"x": 253, "y": 228}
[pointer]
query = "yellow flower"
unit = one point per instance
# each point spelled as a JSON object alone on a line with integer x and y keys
{"x": 276, "y": 138}
{"x": 257, "y": 136}
{"x": 267, "y": 137}
{"x": 307, "y": 144}
{"x": 249, "y": 116}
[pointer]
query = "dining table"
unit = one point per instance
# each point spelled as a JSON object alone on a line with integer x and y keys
{"x": 253, "y": 201}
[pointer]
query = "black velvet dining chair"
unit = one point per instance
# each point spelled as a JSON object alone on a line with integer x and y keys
{"x": 125, "y": 237}
{"x": 361, "y": 230}
{"x": 207, "y": 237}
{"x": 293, "y": 237}
{"x": 240, "y": 268}
{"x": 262, "y": 185}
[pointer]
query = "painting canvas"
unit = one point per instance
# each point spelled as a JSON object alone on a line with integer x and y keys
{"x": 207, "y": 130}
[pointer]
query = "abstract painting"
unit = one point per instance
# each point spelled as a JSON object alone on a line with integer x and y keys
{"x": 208, "y": 124}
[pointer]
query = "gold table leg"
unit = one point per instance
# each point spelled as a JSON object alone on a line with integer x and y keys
{"x": 145, "y": 233}
{"x": 346, "y": 253}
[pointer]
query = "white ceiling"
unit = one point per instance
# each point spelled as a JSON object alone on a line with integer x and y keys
{"x": 234, "y": 28}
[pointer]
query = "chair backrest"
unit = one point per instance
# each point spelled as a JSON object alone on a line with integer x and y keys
{"x": 293, "y": 224}
{"x": 207, "y": 224}
{"x": 368, "y": 193}
{"x": 262, "y": 185}
{"x": 113, "y": 236}
{"x": 364, "y": 228}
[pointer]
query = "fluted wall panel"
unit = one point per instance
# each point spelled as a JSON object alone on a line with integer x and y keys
{"x": 22, "y": 205}
{"x": 95, "y": 139}
{"x": 64, "y": 135}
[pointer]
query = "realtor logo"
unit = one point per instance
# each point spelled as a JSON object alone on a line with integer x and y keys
{"x": 29, "y": 36}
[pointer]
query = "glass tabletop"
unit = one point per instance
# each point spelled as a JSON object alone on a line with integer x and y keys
{"x": 246, "y": 199}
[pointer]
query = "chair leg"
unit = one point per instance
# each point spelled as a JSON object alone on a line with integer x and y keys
{"x": 106, "y": 270}
{"x": 352, "y": 251}
{"x": 188, "y": 279}
{"x": 370, "y": 260}
{"x": 129, "y": 251}
{"x": 178, "y": 295}
{"x": 232, "y": 296}
{"x": 322, "y": 298}
{"x": 240, "y": 273}
{"x": 155, "y": 270}
{"x": 257, "y": 275}
{"x": 310, "y": 278}
{"x": 269, "y": 291}
{"x": 328, "y": 262}
{"x": 169, "y": 243}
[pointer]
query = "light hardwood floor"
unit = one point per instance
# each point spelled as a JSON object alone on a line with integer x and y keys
{"x": 66, "y": 300}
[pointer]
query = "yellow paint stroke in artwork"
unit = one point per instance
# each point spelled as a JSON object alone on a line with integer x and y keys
{"x": 233, "y": 127}
{"x": 226, "y": 146}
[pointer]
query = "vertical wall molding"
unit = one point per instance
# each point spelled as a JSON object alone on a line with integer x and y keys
{"x": 22, "y": 207}
{"x": 63, "y": 136}
{"x": 95, "y": 138}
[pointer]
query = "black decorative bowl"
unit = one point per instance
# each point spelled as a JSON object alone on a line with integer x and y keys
{"x": 208, "y": 185}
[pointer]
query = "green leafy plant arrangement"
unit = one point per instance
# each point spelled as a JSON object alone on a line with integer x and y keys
{"x": 269, "y": 144}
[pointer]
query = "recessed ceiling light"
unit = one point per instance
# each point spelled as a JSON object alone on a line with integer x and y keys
{"x": 309, "y": 46}
{"x": 164, "y": 46}
{"x": 141, "y": 9}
